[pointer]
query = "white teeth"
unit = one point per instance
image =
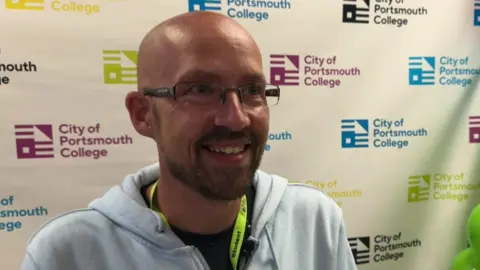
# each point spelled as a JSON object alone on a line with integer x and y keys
{"x": 227, "y": 150}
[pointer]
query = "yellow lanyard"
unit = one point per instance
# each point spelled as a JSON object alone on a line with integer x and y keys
{"x": 238, "y": 231}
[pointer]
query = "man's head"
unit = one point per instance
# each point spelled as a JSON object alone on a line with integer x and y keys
{"x": 211, "y": 146}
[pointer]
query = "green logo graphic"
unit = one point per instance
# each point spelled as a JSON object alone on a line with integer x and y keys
{"x": 25, "y": 4}
{"x": 332, "y": 189}
{"x": 440, "y": 187}
{"x": 418, "y": 188}
{"x": 120, "y": 67}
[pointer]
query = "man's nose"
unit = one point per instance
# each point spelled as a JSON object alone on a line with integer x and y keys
{"x": 231, "y": 113}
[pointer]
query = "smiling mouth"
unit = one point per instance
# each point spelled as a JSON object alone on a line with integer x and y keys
{"x": 227, "y": 150}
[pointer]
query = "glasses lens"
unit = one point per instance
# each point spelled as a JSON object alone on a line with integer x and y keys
{"x": 198, "y": 93}
{"x": 272, "y": 94}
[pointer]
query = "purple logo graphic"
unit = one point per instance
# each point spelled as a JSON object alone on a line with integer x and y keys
{"x": 34, "y": 141}
{"x": 474, "y": 129}
{"x": 280, "y": 74}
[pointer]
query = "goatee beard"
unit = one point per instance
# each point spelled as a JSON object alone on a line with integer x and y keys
{"x": 219, "y": 184}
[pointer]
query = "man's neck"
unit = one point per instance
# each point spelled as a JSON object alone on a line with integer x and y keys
{"x": 189, "y": 211}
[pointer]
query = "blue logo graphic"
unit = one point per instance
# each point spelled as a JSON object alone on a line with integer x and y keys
{"x": 204, "y": 5}
{"x": 273, "y": 138}
{"x": 383, "y": 133}
{"x": 257, "y": 10}
{"x": 355, "y": 133}
{"x": 445, "y": 70}
{"x": 476, "y": 13}
{"x": 421, "y": 70}
{"x": 13, "y": 215}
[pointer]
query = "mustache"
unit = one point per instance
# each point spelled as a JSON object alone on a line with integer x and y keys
{"x": 224, "y": 133}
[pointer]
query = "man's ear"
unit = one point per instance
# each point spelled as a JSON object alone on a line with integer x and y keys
{"x": 139, "y": 110}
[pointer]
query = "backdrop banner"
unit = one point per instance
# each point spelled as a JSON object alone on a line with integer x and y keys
{"x": 379, "y": 108}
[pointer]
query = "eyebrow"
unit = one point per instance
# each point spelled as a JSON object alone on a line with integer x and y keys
{"x": 202, "y": 75}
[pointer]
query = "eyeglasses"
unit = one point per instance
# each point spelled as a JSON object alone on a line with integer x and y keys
{"x": 252, "y": 95}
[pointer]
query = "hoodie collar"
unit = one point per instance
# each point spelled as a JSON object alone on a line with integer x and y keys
{"x": 124, "y": 205}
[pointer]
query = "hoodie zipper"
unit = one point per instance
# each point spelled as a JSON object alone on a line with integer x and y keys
{"x": 203, "y": 262}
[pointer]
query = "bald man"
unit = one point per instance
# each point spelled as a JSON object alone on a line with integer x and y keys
{"x": 203, "y": 98}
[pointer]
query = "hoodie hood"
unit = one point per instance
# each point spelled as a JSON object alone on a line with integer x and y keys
{"x": 124, "y": 205}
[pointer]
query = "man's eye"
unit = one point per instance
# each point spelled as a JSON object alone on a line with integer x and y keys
{"x": 254, "y": 89}
{"x": 200, "y": 89}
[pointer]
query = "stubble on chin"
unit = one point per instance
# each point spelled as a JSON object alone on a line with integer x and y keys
{"x": 227, "y": 184}
{"x": 215, "y": 183}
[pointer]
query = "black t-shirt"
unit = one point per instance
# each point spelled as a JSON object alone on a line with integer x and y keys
{"x": 215, "y": 248}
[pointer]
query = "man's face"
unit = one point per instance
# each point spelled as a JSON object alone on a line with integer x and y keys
{"x": 213, "y": 149}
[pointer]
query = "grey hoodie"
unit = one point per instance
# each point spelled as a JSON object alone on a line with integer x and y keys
{"x": 296, "y": 227}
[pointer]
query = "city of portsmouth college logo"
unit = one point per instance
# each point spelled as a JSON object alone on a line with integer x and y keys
{"x": 439, "y": 187}
{"x": 334, "y": 190}
{"x": 34, "y": 141}
{"x": 421, "y": 70}
{"x": 240, "y": 9}
{"x": 204, "y": 5}
{"x": 276, "y": 137}
{"x": 381, "y": 248}
{"x": 360, "y": 248}
{"x": 419, "y": 188}
{"x": 379, "y": 133}
{"x": 16, "y": 214}
{"x": 476, "y": 13}
{"x": 355, "y": 133}
{"x": 384, "y": 12}
{"x": 356, "y": 11}
{"x": 37, "y": 141}
{"x": 55, "y": 6}
{"x": 444, "y": 70}
{"x": 120, "y": 67}
{"x": 474, "y": 129}
{"x": 25, "y": 4}
{"x": 284, "y": 69}
{"x": 9, "y": 70}
{"x": 308, "y": 70}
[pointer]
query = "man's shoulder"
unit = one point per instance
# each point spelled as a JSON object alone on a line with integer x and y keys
{"x": 306, "y": 200}
{"x": 300, "y": 193}
{"x": 69, "y": 226}
{"x": 77, "y": 239}
{"x": 310, "y": 213}
{"x": 310, "y": 195}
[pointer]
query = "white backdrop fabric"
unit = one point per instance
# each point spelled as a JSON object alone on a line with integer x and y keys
{"x": 379, "y": 108}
